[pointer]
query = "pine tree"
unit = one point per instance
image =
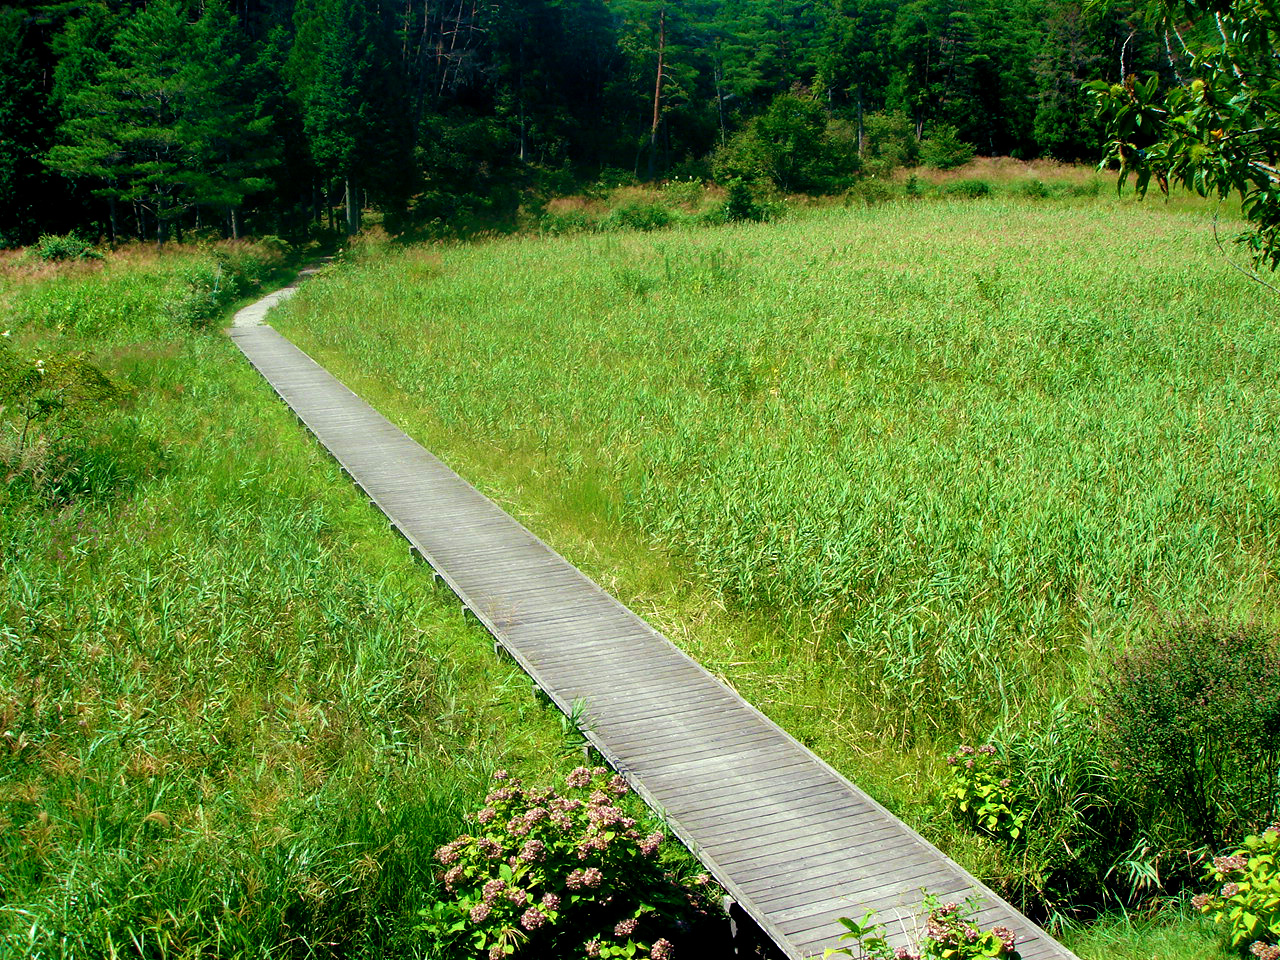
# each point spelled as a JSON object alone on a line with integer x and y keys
{"x": 24, "y": 123}
{"x": 353, "y": 111}
{"x": 229, "y": 124}
{"x": 128, "y": 126}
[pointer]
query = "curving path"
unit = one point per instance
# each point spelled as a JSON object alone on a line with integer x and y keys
{"x": 792, "y": 841}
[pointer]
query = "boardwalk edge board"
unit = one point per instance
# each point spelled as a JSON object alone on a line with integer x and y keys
{"x": 391, "y": 468}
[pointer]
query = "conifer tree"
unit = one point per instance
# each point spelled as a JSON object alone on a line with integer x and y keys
{"x": 230, "y": 125}
{"x": 23, "y": 125}
{"x": 354, "y": 108}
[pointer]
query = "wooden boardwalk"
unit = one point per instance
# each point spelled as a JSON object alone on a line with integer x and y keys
{"x": 793, "y": 842}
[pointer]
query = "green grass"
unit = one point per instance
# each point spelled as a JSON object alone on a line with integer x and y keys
{"x": 235, "y": 717}
{"x": 956, "y": 447}
{"x": 1162, "y": 937}
{"x": 902, "y": 474}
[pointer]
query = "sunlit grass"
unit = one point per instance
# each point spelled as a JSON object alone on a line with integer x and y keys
{"x": 963, "y": 445}
{"x": 235, "y": 716}
{"x": 901, "y": 474}
{"x": 1169, "y": 936}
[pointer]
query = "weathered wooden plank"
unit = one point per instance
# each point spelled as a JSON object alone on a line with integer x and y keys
{"x": 842, "y": 839}
{"x": 706, "y": 748}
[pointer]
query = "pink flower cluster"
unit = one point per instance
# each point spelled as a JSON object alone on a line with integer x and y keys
{"x": 1006, "y": 936}
{"x": 533, "y": 851}
{"x": 448, "y": 854}
{"x": 650, "y": 844}
{"x": 625, "y": 928}
{"x": 518, "y": 897}
{"x": 534, "y": 832}
{"x": 587, "y": 879}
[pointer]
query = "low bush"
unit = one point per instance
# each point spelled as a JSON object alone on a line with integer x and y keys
{"x": 1117, "y": 801}
{"x": 1191, "y": 718}
{"x": 61, "y": 439}
{"x": 1033, "y": 189}
{"x": 550, "y": 874}
{"x": 968, "y": 189}
{"x": 1245, "y": 901}
{"x": 204, "y": 289}
{"x": 888, "y": 142}
{"x": 55, "y": 247}
{"x": 684, "y": 192}
{"x": 637, "y": 215}
{"x": 983, "y": 793}
{"x": 1051, "y": 804}
{"x": 950, "y": 933}
{"x": 869, "y": 191}
{"x": 793, "y": 146}
{"x": 740, "y": 203}
{"x": 944, "y": 150}
{"x": 558, "y": 223}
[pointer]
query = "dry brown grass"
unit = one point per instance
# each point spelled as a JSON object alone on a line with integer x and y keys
{"x": 1006, "y": 170}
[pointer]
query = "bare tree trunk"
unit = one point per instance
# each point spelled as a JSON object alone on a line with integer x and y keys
{"x": 115, "y": 226}
{"x": 353, "y": 209}
{"x": 657, "y": 90}
{"x": 235, "y": 224}
{"x": 719, "y": 77}
{"x": 859, "y": 121}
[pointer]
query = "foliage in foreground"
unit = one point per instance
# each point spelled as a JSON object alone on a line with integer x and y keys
{"x": 1171, "y": 756}
{"x": 1245, "y": 901}
{"x": 1217, "y": 131}
{"x": 1192, "y": 721}
{"x": 950, "y": 933}
{"x": 561, "y": 874}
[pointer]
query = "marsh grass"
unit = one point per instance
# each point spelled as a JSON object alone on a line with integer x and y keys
{"x": 901, "y": 474}
{"x": 235, "y": 718}
{"x": 968, "y": 444}
{"x": 1172, "y": 935}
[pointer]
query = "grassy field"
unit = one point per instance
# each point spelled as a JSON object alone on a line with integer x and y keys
{"x": 236, "y": 719}
{"x": 956, "y": 449}
{"x": 904, "y": 474}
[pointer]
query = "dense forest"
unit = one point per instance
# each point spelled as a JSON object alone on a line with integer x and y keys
{"x": 151, "y": 119}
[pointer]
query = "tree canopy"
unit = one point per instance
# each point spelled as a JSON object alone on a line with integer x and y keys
{"x": 265, "y": 114}
{"x": 1216, "y": 129}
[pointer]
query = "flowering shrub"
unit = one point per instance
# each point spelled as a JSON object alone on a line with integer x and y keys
{"x": 1191, "y": 717}
{"x": 949, "y": 934}
{"x": 1247, "y": 894}
{"x": 983, "y": 793}
{"x": 548, "y": 874}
